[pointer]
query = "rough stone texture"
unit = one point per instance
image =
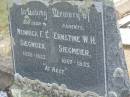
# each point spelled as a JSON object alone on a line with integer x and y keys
{"x": 6, "y": 67}
{"x": 84, "y": 72}
{"x": 6, "y": 78}
{"x": 32, "y": 88}
{"x": 117, "y": 73}
{"x": 116, "y": 64}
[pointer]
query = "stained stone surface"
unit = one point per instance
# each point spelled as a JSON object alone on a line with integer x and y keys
{"x": 6, "y": 74}
{"x": 6, "y": 68}
{"x": 24, "y": 87}
{"x": 117, "y": 73}
{"x": 6, "y": 80}
{"x": 49, "y": 46}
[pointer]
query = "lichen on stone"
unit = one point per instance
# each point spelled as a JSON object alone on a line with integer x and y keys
{"x": 34, "y": 88}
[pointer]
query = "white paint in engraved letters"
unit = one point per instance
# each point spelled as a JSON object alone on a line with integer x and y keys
{"x": 47, "y": 34}
{"x": 79, "y": 63}
{"x": 33, "y": 55}
{"x": 32, "y": 44}
{"x": 47, "y": 68}
{"x": 27, "y": 32}
{"x": 58, "y": 70}
{"x": 27, "y": 54}
{"x": 73, "y": 27}
{"x": 44, "y": 34}
{"x": 65, "y": 14}
{"x": 83, "y": 64}
{"x": 92, "y": 40}
{"x": 89, "y": 39}
{"x": 31, "y": 33}
{"x": 44, "y": 24}
{"x": 36, "y": 23}
{"x": 75, "y": 51}
{"x": 66, "y": 37}
{"x": 40, "y": 56}
{"x": 55, "y": 70}
{"x": 66, "y": 61}
{"x": 34, "y": 12}
{"x": 28, "y": 21}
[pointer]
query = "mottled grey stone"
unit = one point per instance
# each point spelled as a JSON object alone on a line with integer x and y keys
{"x": 107, "y": 75}
{"x": 6, "y": 77}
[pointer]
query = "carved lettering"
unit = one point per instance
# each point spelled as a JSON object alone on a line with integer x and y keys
{"x": 32, "y": 44}
{"x": 74, "y": 51}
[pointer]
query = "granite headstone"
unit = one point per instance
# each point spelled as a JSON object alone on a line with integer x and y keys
{"x": 68, "y": 43}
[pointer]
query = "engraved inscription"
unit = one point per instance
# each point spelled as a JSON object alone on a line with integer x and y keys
{"x": 59, "y": 43}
